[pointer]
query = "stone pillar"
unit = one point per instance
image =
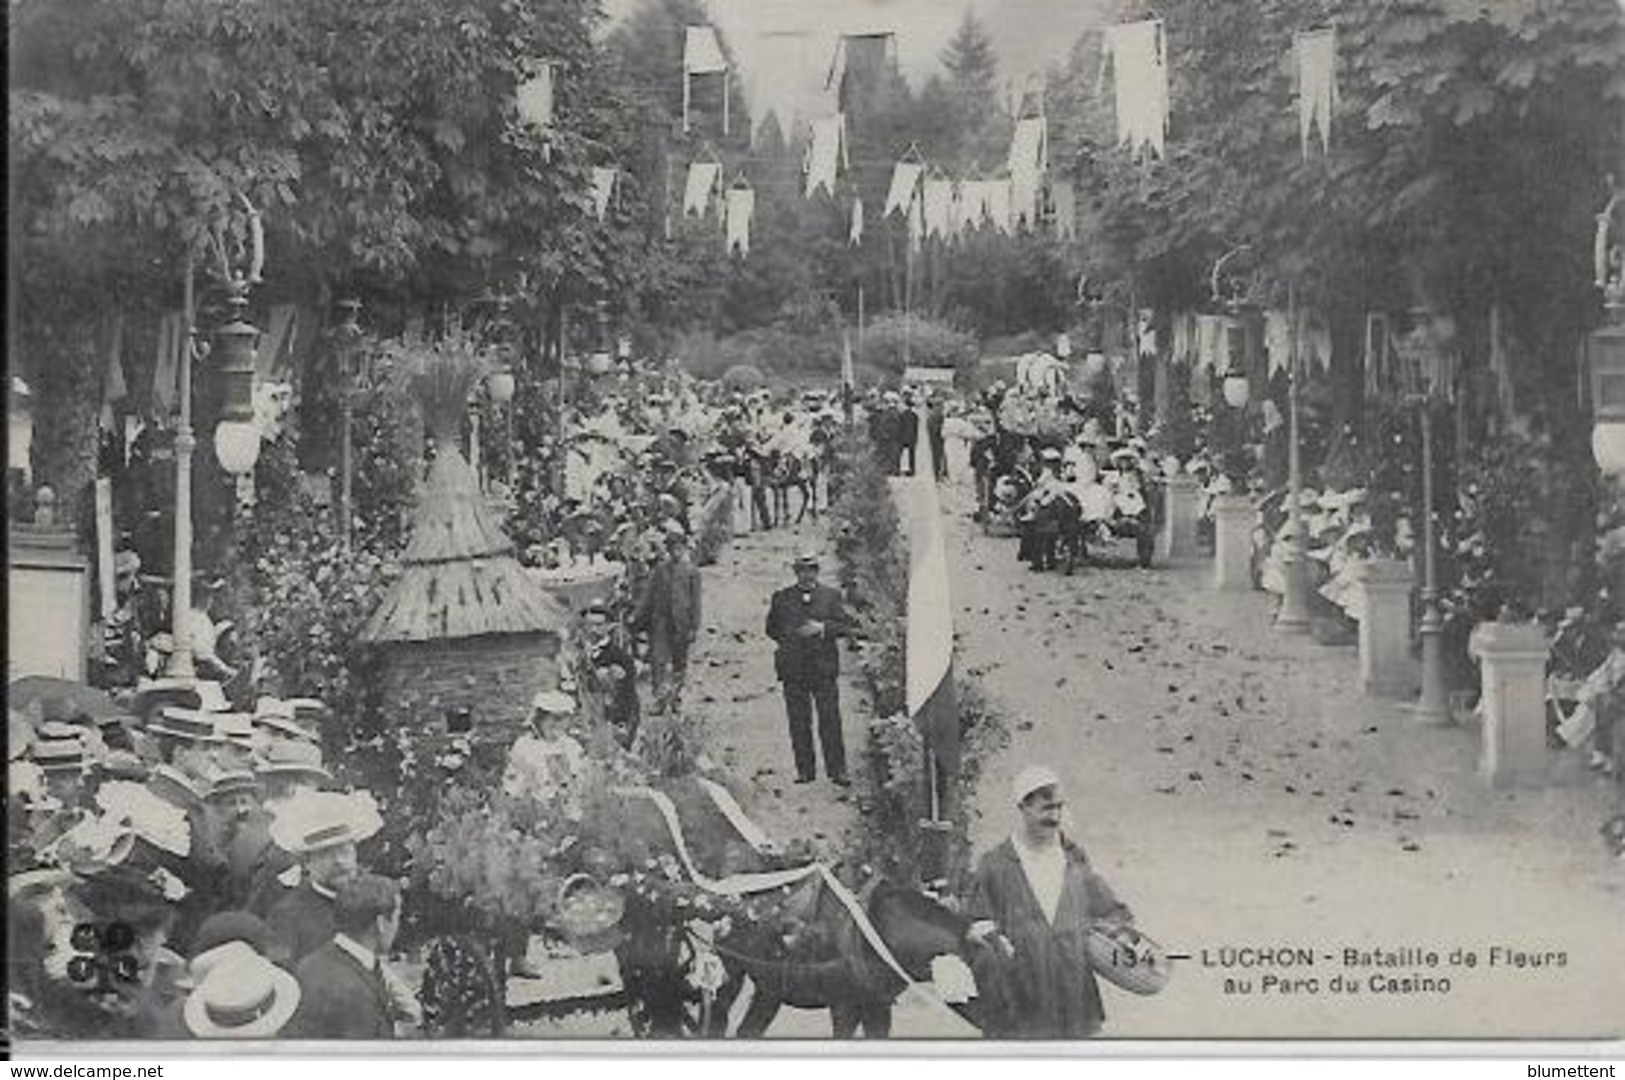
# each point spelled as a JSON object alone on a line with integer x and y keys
{"x": 1387, "y": 668}
{"x": 1512, "y": 658}
{"x": 48, "y": 603}
{"x": 1233, "y": 518}
{"x": 1181, "y": 497}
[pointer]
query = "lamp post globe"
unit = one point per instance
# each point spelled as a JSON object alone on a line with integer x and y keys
{"x": 1608, "y": 447}
{"x": 500, "y": 385}
{"x": 1237, "y": 391}
{"x": 237, "y": 446}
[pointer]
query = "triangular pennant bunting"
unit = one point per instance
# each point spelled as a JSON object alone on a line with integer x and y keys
{"x": 1138, "y": 55}
{"x": 826, "y": 153}
{"x": 741, "y": 207}
{"x": 905, "y": 178}
{"x": 702, "y": 184}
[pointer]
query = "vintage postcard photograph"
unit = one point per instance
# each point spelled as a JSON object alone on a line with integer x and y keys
{"x": 1049, "y": 521}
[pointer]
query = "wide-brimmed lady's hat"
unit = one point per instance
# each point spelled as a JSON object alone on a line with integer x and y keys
{"x": 245, "y": 996}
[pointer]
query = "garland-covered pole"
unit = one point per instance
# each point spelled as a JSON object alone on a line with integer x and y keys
{"x": 180, "y": 659}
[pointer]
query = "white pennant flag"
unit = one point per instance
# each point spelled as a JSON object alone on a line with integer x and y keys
{"x": 1317, "y": 85}
{"x": 702, "y": 182}
{"x": 939, "y": 203}
{"x": 905, "y": 178}
{"x": 740, "y": 207}
{"x": 998, "y": 205}
{"x": 603, "y": 187}
{"x": 826, "y": 153}
{"x": 1139, "y": 62}
{"x": 702, "y": 53}
{"x": 1027, "y": 160}
{"x": 534, "y": 98}
{"x": 855, "y": 236}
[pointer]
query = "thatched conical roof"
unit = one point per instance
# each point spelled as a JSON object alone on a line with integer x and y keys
{"x": 460, "y": 578}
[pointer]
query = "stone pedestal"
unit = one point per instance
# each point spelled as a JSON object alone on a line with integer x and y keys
{"x": 1233, "y": 518}
{"x": 48, "y": 604}
{"x": 1387, "y": 668}
{"x": 1513, "y": 663}
{"x": 1181, "y": 498}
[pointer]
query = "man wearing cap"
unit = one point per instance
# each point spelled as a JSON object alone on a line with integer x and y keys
{"x": 1036, "y": 897}
{"x": 805, "y": 619}
{"x": 670, "y": 614}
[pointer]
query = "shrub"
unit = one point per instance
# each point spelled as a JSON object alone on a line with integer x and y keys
{"x": 929, "y": 343}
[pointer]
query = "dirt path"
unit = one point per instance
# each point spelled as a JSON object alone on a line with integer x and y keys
{"x": 1238, "y": 790}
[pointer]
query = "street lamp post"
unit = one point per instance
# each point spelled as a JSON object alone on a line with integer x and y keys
{"x": 1293, "y": 616}
{"x": 180, "y": 603}
{"x": 1433, "y": 706}
{"x": 1420, "y": 349}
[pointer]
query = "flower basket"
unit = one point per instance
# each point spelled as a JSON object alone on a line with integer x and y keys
{"x": 589, "y": 914}
{"x": 1128, "y": 959}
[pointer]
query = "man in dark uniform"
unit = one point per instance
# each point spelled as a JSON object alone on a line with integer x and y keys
{"x": 805, "y": 619}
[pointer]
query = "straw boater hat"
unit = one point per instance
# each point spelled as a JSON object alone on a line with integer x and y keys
{"x": 282, "y": 717}
{"x": 152, "y": 695}
{"x": 235, "y": 728}
{"x": 291, "y": 760}
{"x": 174, "y": 787}
{"x": 233, "y": 782}
{"x": 55, "y": 754}
{"x": 312, "y": 821}
{"x": 188, "y": 725}
{"x": 243, "y": 997}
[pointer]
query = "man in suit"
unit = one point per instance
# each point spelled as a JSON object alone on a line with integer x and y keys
{"x": 908, "y": 432}
{"x": 935, "y": 416}
{"x": 304, "y": 917}
{"x": 344, "y": 991}
{"x": 805, "y": 619}
{"x": 606, "y": 674}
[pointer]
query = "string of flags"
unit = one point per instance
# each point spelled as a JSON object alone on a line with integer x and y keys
{"x": 933, "y": 204}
